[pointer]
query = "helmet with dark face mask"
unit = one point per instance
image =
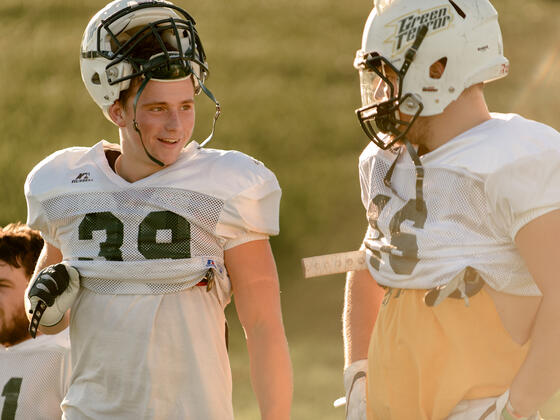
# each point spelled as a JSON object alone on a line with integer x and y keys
{"x": 144, "y": 39}
{"x": 111, "y": 52}
{"x": 401, "y": 42}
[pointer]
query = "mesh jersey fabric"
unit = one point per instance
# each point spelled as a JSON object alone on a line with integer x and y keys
{"x": 159, "y": 234}
{"x": 146, "y": 342}
{"x": 34, "y": 377}
{"x": 480, "y": 188}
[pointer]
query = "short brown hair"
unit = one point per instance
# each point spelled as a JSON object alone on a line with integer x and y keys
{"x": 20, "y": 246}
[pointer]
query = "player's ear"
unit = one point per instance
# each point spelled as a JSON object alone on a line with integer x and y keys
{"x": 117, "y": 113}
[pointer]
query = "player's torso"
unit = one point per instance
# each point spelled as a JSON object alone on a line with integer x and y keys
{"x": 423, "y": 243}
{"x": 149, "y": 356}
{"x": 419, "y": 246}
{"x": 155, "y": 232}
{"x": 34, "y": 377}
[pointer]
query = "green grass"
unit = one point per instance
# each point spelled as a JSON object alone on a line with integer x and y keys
{"x": 283, "y": 73}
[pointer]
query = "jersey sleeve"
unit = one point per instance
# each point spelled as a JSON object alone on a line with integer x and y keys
{"x": 524, "y": 190}
{"x": 364, "y": 167}
{"x": 36, "y": 216}
{"x": 253, "y": 213}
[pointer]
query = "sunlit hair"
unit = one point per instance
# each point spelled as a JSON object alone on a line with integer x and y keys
{"x": 20, "y": 246}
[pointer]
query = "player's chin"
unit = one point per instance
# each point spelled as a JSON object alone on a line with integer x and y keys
{"x": 168, "y": 152}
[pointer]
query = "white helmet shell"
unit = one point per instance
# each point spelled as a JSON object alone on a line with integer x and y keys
{"x": 97, "y": 59}
{"x": 464, "y": 32}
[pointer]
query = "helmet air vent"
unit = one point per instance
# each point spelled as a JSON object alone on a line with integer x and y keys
{"x": 458, "y": 9}
{"x": 437, "y": 68}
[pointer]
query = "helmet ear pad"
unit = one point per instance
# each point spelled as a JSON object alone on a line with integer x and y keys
{"x": 97, "y": 81}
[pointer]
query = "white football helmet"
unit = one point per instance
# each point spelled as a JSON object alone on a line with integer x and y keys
{"x": 110, "y": 50}
{"x": 401, "y": 41}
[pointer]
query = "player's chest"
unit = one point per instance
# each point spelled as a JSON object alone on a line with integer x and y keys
{"x": 135, "y": 224}
{"x": 449, "y": 204}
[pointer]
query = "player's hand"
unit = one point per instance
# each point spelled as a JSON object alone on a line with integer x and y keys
{"x": 355, "y": 385}
{"x": 55, "y": 288}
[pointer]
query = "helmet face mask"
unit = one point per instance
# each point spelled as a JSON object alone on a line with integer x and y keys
{"x": 177, "y": 34}
{"x": 463, "y": 34}
{"x": 380, "y": 115}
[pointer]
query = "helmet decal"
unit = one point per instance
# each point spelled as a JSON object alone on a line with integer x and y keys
{"x": 402, "y": 40}
{"x": 406, "y": 27}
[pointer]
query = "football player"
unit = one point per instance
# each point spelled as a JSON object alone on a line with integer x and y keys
{"x": 457, "y": 315}
{"x": 146, "y": 240}
{"x": 34, "y": 374}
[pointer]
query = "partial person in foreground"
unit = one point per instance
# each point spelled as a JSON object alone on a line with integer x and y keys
{"x": 147, "y": 240}
{"x": 457, "y": 316}
{"x": 34, "y": 374}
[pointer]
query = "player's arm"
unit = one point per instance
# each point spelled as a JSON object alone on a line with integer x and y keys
{"x": 50, "y": 255}
{"x": 539, "y": 376}
{"x": 362, "y": 300}
{"x": 254, "y": 279}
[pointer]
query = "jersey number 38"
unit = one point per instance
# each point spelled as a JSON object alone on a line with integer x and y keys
{"x": 148, "y": 246}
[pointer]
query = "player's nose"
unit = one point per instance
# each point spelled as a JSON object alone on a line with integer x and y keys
{"x": 173, "y": 122}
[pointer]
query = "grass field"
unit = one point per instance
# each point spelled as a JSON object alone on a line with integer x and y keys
{"x": 283, "y": 73}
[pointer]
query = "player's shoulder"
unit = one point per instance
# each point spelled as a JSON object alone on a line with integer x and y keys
{"x": 58, "y": 165}
{"x": 234, "y": 162}
{"x": 56, "y": 343}
{"x": 372, "y": 152}
{"x": 515, "y": 130}
{"x": 498, "y": 142}
{"x": 230, "y": 171}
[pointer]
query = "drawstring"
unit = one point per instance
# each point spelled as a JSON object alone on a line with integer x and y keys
{"x": 419, "y": 174}
{"x": 389, "y": 174}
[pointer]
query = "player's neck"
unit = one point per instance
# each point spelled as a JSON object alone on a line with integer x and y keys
{"x": 468, "y": 111}
{"x": 132, "y": 171}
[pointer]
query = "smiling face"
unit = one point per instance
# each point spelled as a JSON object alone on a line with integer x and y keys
{"x": 165, "y": 115}
{"x": 13, "y": 321}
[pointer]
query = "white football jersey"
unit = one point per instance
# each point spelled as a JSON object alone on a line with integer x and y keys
{"x": 147, "y": 343}
{"x": 34, "y": 377}
{"x": 479, "y": 189}
{"x": 159, "y": 234}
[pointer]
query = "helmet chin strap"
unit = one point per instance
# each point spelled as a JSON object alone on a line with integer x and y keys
{"x": 216, "y": 115}
{"x": 409, "y": 57}
{"x": 135, "y": 124}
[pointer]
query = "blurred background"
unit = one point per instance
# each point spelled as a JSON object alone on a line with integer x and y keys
{"x": 283, "y": 73}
